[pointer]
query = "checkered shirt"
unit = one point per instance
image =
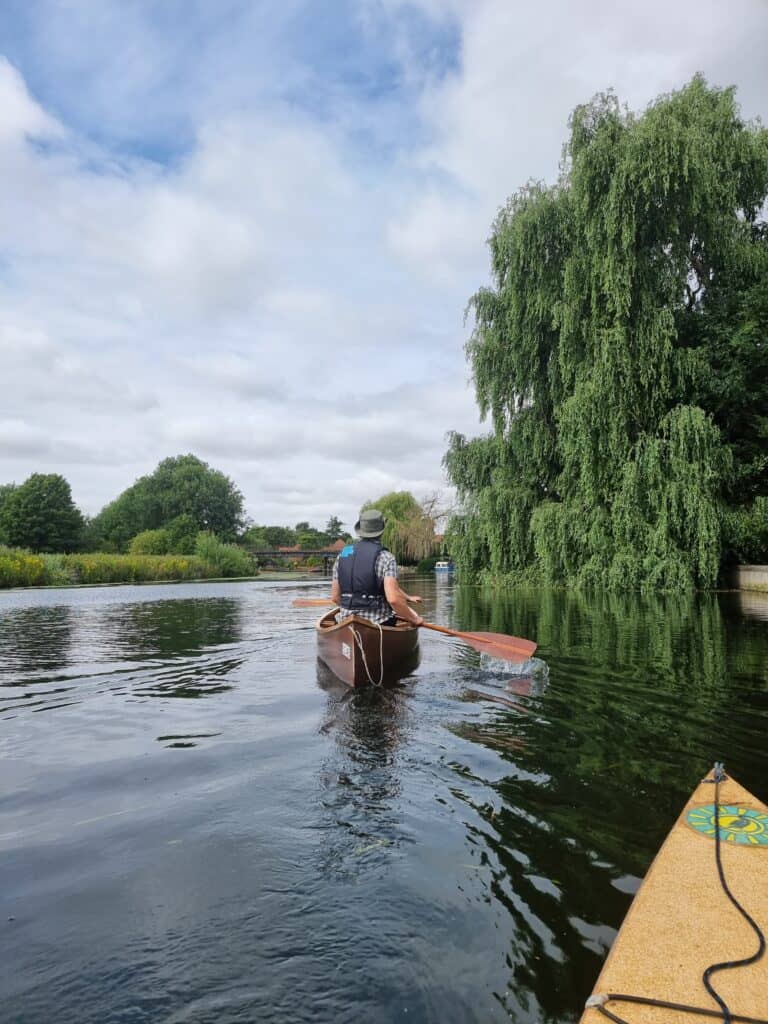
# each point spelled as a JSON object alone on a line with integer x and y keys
{"x": 386, "y": 565}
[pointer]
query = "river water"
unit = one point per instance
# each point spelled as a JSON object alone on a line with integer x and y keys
{"x": 198, "y": 824}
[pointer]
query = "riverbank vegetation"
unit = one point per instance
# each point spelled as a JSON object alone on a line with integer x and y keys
{"x": 621, "y": 357}
{"x": 160, "y": 528}
{"x": 24, "y": 568}
{"x": 184, "y": 521}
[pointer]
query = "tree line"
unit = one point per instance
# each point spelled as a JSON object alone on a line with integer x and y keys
{"x": 160, "y": 513}
{"x": 182, "y": 508}
{"x": 621, "y": 357}
{"x": 302, "y": 535}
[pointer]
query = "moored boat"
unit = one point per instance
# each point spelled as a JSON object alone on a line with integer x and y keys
{"x": 360, "y": 652}
{"x": 685, "y": 951}
{"x": 443, "y": 567}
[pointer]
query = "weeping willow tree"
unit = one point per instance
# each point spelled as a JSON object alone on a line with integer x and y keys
{"x": 621, "y": 355}
{"x": 410, "y": 529}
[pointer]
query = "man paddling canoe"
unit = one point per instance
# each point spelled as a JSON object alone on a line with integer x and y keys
{"x": 365, "y": 577}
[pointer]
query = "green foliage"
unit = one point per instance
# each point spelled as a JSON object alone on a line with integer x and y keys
{"x": 6, "y": 490}
{"x": 150, "y": 542}
{"x": 268, "y": 538}
{"x": 620, "y": 355}
{"x": 223, "y": 559}
{"x": 182, "y": 534}
{"x": 747, "y": 533}
{"x": 94, "y": 539}
{"x": 40, "y": 514}
{"x": 59, "y": 570}
{"x": 427, "y": 564}
{"x": 729, "y": 335}
{"x": 334, "y": 529}
{"x": 410, "y": 530}
{"x": 181, "y": 486}
{"x": 312, "y": 540}
{"x": 102, "y": 568}
{"x": 254, "y": 539}
{"x": 20, "y": 568}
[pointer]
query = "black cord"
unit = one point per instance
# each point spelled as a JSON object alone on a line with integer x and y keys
{"x": 736, "y": 1018}
{"x": 728, "y": 965}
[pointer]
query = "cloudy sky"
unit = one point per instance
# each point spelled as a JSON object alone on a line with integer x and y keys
{"x": 248, "y": 228}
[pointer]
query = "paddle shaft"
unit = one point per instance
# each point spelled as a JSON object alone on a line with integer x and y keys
{"x": 489, "y": 642}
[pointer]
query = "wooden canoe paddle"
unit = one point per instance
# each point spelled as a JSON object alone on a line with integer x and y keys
{"x": 496, "y": 645}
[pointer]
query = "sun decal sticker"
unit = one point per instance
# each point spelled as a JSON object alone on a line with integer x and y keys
{"x": 741, "y": 825}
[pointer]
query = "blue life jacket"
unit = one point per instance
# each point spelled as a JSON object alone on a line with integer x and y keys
{"x": 360, "y": 587}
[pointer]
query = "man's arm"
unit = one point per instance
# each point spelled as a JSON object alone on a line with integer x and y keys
{"x": 336, "y": 592}
{"x": 398, "y": 599}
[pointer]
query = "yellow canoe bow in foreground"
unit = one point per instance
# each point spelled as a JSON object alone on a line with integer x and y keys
{"x": 681, "y": 921}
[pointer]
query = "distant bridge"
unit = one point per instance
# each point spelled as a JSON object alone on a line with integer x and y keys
{"x": 272, "y": 557}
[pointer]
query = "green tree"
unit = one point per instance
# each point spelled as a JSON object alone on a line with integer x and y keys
{"x": 182, "y": 534}
{"x": 180, "y": 486}
{"x": 728, "y": 334}
{"x": 40, "y": 514}
{"x": 312, "y": 539}
{"x": 149, "y": 542}
{"x": 334, "y": 529}
{"x": 627, "y": 314}
{"x": 410, "y": 529}
{"x": 6, "y": 490}
{"x": 268, "y": 538}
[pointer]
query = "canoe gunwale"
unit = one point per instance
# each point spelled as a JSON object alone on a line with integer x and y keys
{"x": 326, "y": 627}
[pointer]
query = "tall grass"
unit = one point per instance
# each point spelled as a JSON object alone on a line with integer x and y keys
{"x": 20, "y": 568}
{"x": 223, "y": 559}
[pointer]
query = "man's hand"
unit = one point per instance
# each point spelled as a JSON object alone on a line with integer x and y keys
{"x": 398, "y": 600}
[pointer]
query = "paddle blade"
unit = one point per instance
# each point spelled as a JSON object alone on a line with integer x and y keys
{"x": 503, "y": 652}
{"x": 517, "y": 643}
{"x": 313, "y": 602}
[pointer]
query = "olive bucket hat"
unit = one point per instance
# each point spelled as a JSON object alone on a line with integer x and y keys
{"x": 370, "y": 524}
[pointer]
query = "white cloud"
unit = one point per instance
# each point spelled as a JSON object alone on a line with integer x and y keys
{"x": 438, "y": 238}
{"x": 501, "y": 118}
{"x": 19, "y": 439}
{"x": 20, "y": 116}
{"x": 234, "y": 372}
{"x": 284, "y": 293}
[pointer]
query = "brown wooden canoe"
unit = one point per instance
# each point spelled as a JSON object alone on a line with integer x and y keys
{"x": 362, "y": 653}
